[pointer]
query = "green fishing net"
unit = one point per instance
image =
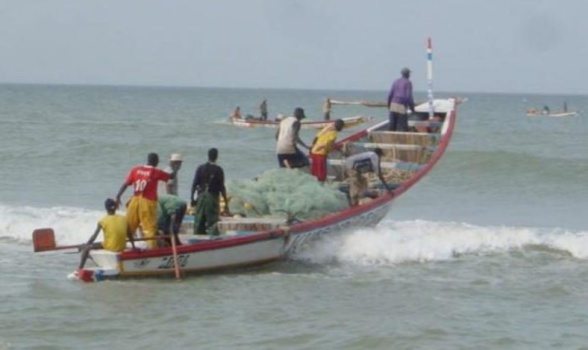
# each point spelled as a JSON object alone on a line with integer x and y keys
{"x": 284, "y": 193}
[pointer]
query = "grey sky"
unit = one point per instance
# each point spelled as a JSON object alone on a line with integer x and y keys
{"x": 534, "y": 46}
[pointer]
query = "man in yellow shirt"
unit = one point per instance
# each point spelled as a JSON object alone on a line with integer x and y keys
{"x": 116, "y": 231}
{"x": 322, "y": 146}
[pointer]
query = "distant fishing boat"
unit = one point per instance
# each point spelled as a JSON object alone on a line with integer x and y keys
{"x": 304, "y": 124}
{"x": 538, "y": 113}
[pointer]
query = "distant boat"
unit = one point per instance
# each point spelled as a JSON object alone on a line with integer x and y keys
{"x": 304, "y": 124}
{"x": 538, "y": 113}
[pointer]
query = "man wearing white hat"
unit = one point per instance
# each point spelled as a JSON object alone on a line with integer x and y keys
{"x": 175, "y": 163}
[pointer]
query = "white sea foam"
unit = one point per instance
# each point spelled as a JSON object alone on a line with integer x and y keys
{"x": 417, "y": 241}
{"x": 391, "y": 242}
{"x": 71, "y": 225}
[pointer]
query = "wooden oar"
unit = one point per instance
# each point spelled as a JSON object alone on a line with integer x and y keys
{"x": 175, "y": 253}
{"x": 44, "y": 241}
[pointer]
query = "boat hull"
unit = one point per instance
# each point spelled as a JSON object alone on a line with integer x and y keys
{"x": 554, "y": 115}
{"x": 206, "y": 255}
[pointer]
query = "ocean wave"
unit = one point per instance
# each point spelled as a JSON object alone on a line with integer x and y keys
{"x": 423, "y": 241}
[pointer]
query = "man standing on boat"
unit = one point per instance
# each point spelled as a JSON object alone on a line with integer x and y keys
{"x": 208, "y": 185}
{"x": 400, "y": 100}
{"x": 236, "y": 113}
{"x": 175, "y": 163}
{"x": 287, "y": 136}
{"x": 322, "y": 146}
{"x": 142, "y": 208}
{"x": 327, "y": 109}
{"x": 263, "y": 110}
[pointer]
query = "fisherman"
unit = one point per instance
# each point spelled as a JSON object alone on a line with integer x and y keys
{"x": 171, "y": 210}
{"x": 287, "y": 137}
{"x": 116, "y": 231}
{"x": 236, "y": 114}
{"x": 208, "y": 185}
{"x": 142, "y": 208}
{"x": 263, "y": 110}
{"x": 323, "y": 144}
{"x": 400, "y": 101}
{"x": 327, "y": 109}
{"x": 175, "y": 163}
{"x": 357, "y": 166}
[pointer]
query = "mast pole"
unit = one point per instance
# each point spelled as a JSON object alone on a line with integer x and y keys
{"x": 430, "y": 77}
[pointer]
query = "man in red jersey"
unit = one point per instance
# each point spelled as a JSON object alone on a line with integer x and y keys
{"x": 142, "y": 208}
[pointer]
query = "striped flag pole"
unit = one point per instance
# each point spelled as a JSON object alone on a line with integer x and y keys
{"x": 430, "y": 77}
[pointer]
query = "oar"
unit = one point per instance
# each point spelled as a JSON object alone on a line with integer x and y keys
{"x": 175, "y": 253}
{"x": 44, "y": 240}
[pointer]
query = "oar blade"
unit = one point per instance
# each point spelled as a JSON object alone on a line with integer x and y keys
{"x": 43, "y": 240}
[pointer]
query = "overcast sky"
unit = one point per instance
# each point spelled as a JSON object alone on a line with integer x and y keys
{"x": 530, "y": 46}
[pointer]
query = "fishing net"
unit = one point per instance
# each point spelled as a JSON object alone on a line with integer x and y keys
{"x": 284, "y": 193}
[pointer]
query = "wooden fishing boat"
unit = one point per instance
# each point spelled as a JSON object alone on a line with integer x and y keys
{"x": 304, "y": 124}
{"x": 251, "y": 241}
{"x": 555, "y": 115}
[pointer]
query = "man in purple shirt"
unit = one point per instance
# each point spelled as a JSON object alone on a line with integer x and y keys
{"x": 400, "y": 100}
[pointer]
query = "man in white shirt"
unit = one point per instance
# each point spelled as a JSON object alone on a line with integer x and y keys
{"x": 287, "y": 137}
{"x": 171, "y": 186}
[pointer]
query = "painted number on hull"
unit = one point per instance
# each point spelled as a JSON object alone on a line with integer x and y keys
{"x": 168, "y": 261}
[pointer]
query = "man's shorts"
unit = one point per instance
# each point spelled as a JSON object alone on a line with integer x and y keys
{"x": 294, "y": 160}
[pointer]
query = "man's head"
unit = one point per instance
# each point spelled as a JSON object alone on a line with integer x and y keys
{"x": 110, "y": 205}
{"x": 378, "y": 151}
{"x": 339, "y": 124}
{"x": 152, "y": 159}
{"x": 175, "y": 161}
{"x": 299, "y": 113}
{"x": 405, "y": 72}
{"x": 212, "y": 155}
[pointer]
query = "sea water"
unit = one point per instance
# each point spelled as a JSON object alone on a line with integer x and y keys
{"x": 488, "y": 251}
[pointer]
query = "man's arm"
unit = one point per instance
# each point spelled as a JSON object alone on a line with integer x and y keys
{"x": 410, "y": 97}
{"x": 297, "y": 139}
{"x": 194, "y": 186}
{"x": 381, "y": 177}
{"x": 390, "y": 95}
{"x": 94, "y": 235}
{"x": 120, "y": 193}
{"x": 224, "y": 190}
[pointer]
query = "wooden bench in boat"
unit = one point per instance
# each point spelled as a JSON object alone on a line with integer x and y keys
{"x": 385, "y": 165}
{"x": 405, "y": 138}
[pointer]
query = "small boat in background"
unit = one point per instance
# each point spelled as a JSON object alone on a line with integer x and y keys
{"x": 305, "y": 124}
{"x": 537, "y": 113}
{"x": 546, "y": 112}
